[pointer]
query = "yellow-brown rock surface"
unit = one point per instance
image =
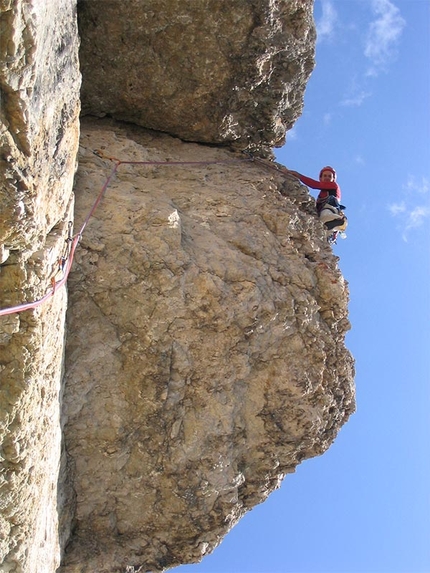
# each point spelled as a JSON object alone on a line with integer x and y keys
{"x": 39, "y": 132}
{"x": 207, "y": 314}
{"x": 205, "y": 355}
{"x": 214, "y": 71}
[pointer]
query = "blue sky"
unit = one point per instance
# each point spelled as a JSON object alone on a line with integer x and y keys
{"x": 364, "y": 506}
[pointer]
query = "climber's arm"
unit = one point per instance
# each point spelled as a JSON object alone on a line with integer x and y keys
{"x": 291, "y": 172}
{"x": 313, "y": 183}
{"x": 331, "y": 187}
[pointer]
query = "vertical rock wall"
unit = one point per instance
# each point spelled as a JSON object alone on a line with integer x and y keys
{"x": 206, "y": 353}
{"x": 39, "y": 81}
{"x": 205, "y": 356}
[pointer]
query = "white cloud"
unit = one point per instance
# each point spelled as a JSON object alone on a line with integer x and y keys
{"x": 356, "y": 98}
{"x": 416, "y": 216}
{"x": 356, "y": 93}
{"x": 420, "y": 186}
{"x": 412, "y": 212}
{"x": 396, "y": 208}
{"x": 383, "y": 35}
{"x": 327, "y": 118}
{"x": 326, "y": 24}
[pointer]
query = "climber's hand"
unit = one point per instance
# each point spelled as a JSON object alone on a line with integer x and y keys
{"x": 291, "y": 172}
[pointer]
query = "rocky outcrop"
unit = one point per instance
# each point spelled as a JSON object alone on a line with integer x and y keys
{"x": 207, "y": 314}
{"x": 39, "y": 133}
{"x": 206, "y": 352}
{"x": 215, "y": 71}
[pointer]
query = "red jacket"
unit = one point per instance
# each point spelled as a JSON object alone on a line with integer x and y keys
{"x": 326, "y": 188}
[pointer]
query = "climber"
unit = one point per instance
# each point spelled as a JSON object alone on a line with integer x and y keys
{"x": 328, "y": 205}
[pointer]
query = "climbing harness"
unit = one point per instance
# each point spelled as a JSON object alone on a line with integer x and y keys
{"x": 333, "y": 237}
{"x": 334, "y": 220}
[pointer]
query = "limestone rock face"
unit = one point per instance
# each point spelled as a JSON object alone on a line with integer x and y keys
{"x": 39, "y": 131}
{"x": 215, "y": 71}
{"x": 207, "y": 313}
{"x": 205, "y": 355}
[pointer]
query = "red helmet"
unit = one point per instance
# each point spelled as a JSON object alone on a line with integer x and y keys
{"x": 328, "y": 168}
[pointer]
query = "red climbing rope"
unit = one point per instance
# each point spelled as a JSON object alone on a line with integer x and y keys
{"x": 66, "y": 269}
{"x": 67, "y": 263}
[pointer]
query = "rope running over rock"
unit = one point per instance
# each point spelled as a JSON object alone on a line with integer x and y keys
{"x": 66, "y": 262}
